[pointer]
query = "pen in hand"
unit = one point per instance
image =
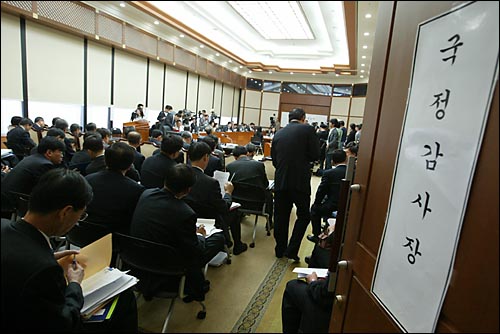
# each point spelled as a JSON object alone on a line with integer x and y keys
{"x": 74, "y": 262}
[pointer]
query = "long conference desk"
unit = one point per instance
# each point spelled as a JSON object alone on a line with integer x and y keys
{"x": 238, "y": 138}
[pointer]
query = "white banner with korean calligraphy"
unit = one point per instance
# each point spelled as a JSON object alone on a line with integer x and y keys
{"x": 455, "y": 66}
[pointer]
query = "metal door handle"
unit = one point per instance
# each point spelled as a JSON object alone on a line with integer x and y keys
{"x": 339, "y": 298}
{"x": 342, "y": 264}
{"x": 356, "y": 187}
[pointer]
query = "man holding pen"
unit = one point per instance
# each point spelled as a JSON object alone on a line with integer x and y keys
{"x": 38, "y": 292}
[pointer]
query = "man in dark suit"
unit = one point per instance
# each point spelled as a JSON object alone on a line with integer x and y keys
{"x": 26, "y": 174}
{"x": 327, "y": 195}
{"x": 247, "y": 170}
{"x": 161, "y": 216}
{"x": 19, "y": 140}
{"x": 134, "y": 140}
{"x": 38, "y": 293}
{"x": 214, "y": 163}
{"x": 115, "y": 195}
{"x": 307, "y": 306}
{"x": 293, "y": 150}
{"x": 155, "y": 168}
{"x": 206, "y": 200}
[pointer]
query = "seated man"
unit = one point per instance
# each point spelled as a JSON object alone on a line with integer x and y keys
{"x": 307, "y": 306}
{"x": 134, "y": 140}
{"x": 215, "y": 162}
{"x": 154, "y": 169}
{"x": 161, "y": 216}
{"x": 247, "y": 170}
{"x": 115, "y": 195}
{"x": 327, "y": 195}
{"x": 26, "y": 174}
{"x": 207, "y": 201}
{"x": 48, "y": 293}
{"x": 19, "y": 140}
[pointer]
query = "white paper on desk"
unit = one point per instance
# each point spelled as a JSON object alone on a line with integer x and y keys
{"x": 223, "y": 178}
{"x": 303, "y": 272}
{"x": 209, "y": 225}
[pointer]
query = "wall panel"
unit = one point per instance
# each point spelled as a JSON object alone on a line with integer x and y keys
{"x": 192, "y": 91}
{"x": 358, "y": 106}
{"x": 12, "y": 87}
{"x": 340, "y": 106}
{"x": 175, "y": 92}
{"x": 251, "y": 116}
{"x": 155, "y": 90}
{"x": 218, "y": 99}
{"x": 227, "y": 102}
{"x": 206, "y": 95}
{"x": 98, "y": 74}
{"x": 55, "y": 65}
{"x": 253, "y": 99}
{"x": 270, "y": 101}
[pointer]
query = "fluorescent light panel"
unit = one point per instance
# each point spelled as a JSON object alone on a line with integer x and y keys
{"x": 275, "y": 19}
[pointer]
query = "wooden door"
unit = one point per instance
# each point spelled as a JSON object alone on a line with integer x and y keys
{"x": 472, "y": 299}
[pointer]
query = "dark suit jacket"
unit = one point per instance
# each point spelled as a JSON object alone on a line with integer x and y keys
{"x": 162, "y": 218}
{"x": 35, "y": 296}
{"x": 99, "y": 164}
{"x": 23, "y": 178}
{"x": 329, "y": 188}
{"x": 154, "y": 169}
{"x": 293, "y": 149}
{"x": 206, "y": 195}
{"x": 214, "y": 164}
{"x": 19, "y": 141}
{"x": 138, "y": 160}
{"x": 247, "y": 170}
{"x": 114, "y": 201}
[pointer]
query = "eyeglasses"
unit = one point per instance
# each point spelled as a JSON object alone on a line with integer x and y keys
{"x": 83, "y": 216}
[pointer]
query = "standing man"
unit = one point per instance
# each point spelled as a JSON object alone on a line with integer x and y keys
{"x": 294, "y": 148}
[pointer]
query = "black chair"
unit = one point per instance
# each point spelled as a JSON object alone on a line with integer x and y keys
{"x": 253, "y": 201}
{"x": 257, "y": 141}
{"x": 85, "y": 233}
{"x": 152, "y": 262}
{"x": 21, "y": 204}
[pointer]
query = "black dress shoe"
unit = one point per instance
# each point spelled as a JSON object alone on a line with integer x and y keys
{"x": 239, "y": 248}
{"x": 295, "y": 258}
{"x": 307, "y": 259}
{"x": 312, "y": 238}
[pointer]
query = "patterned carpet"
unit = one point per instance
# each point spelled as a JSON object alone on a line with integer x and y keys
{"x": 253, "y": 313}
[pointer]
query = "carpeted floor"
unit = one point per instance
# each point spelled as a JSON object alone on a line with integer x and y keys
{"x": 245, "y": 296}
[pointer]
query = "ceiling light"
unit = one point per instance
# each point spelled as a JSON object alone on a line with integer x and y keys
{"x": 366, "y": 34}
{"x": 291, "y": 72}
{"x": 230, "y": 61}
{"x": 314, "y": 74}
{"x": 181, "y": 36}
{"x": 365, "y": 46}
{"x": 217, "y": 54}
{"x": 241, "y": 66}
{"x": 364, "y": 57}
{"x": 250, "y": 71}
{"x": 270, "y": 72}
{"x": 362, "y": 71}
{"x": 202, "y": 46}
{"x": 361, "y": 76}
{"x": 368, "y": 16}
{"x": 122, "y": 4}
{"x": 336, "y": 75}
{"x": 275, "y": 20}
{"x": 156, "y": 22}
{"x": 362, "y": 64}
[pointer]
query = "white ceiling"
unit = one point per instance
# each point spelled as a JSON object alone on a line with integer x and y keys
{"x": 231, "y": 42}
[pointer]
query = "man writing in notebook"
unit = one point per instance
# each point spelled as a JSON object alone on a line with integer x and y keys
{"x": 38, "y": 293}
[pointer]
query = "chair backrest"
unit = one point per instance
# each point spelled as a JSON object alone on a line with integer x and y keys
{"x": 149, "y": 257}
{"x": 147, "y": 149}
{"x": 250, "y": 196}
{"x": 36, "y": 136}
{"x": 21, "y": 203}
{"x": 85, "y": 233}
{"x": 256, "y": 140}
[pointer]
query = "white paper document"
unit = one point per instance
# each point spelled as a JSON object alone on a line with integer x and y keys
{"x": 209, "y": 225}
{"x": 223, "y": 178}
{"x": 303, "y": 272}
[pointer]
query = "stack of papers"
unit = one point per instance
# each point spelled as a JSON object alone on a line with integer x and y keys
{"x": 209, "y": 225}
{"x": 303, "y": 272}
{"x": 100, "y": 283}
{"x": 104, "y": 285}
{"x": 223, "y": 178}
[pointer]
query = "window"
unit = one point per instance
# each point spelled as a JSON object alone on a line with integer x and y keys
{"x": 297, "y": 88}
{"x": 319, "y": 89}
{"x": 359, "y": 89}
{"x": 342, "y": 90}
{"x": 254, "y": 84}
{"x": 272, "y": 86}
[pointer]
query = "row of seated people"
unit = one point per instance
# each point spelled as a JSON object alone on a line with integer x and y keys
{"x": 116, "y": 196}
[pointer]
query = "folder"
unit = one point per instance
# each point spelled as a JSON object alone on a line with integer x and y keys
{"x": 100, "y": 283}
